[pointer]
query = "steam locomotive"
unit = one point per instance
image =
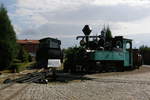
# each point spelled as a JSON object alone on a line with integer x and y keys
{"x": 103, "y": 53}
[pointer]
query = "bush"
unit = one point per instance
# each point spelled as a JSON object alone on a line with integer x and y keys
{"x": 23, "y": 55}
{"x": 17, "y": 67}
{"x": 16, "y": 61}
{"x": 30, "y": 58}
{"x": 73, "y": 56}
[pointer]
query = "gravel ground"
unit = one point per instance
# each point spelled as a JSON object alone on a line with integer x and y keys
{"x": 133, "y": 85}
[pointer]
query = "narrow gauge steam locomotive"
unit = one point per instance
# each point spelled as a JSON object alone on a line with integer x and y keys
{"x": 49, "y": 48}
{"x": 104, "y": 54}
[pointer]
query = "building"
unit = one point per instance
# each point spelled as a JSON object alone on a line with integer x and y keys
{"x": 30, "y": 46}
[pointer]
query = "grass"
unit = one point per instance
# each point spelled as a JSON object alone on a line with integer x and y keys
{"x": 18, "y": 67}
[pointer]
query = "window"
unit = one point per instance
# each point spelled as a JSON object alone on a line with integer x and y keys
{"x": 118, "y": 44}
{"x": 54, "y": 44}
{"x": 128, "y": 45}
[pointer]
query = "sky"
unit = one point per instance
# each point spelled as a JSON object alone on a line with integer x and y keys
{"x": 64, "y": 19}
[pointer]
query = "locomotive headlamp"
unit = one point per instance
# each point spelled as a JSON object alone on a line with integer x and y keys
{"x": 86, "y": 30}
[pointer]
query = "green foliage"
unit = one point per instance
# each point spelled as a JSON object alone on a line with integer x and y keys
{"x": 30, "y": 58}
{"x": 73, "y": 56}
{"x": 107, "y": 33}
{"x": 8, "y": 46}
{"x": 5, "y": 54}
{"x": 18, "y": 67}
{"x": 16, "y": 61}
{"x": 23, "y": 55}
{"x": 144, "y": 48}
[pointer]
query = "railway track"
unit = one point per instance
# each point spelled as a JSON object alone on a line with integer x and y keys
{"x": 31, "y": 77}
{"x": 35, "y": 77}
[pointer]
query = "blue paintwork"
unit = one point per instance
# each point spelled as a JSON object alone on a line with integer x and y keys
{"x": 120, "y": 55}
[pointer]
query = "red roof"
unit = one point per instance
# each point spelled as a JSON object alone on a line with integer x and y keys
{"x": 28, "y": 41}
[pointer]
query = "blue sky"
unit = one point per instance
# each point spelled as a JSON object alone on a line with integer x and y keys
{"x": 64, "y": 19}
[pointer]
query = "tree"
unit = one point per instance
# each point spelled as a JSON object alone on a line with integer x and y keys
{"x": 23, "y": 55}
{"x": 8, "y": 46}
{"x": 108, "y": 33}
{"x": 73, "y": 56}
{"x": 144, "y": 48}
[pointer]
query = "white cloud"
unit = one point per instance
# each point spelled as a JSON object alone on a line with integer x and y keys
{"x": 17, "y": 29}
{"x": 125, "y": 17}
{"x": 127, "y": 2}
{"x": 134, "y": 27}
{"x": 38, "y": 19}
{"x": 51, "y": 8}
{"x": 32, "y": 7}
{"x": 50, "y": 5}
{"x": 63, "y": 36}
{"x": 24, "y": 12}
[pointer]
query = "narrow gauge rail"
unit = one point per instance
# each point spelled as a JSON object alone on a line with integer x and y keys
{"x": 35, "y": 77}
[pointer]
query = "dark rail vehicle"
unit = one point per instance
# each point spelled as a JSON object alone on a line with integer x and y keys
{"x": 49, "y": 48}
{"x": 104, "y": 54}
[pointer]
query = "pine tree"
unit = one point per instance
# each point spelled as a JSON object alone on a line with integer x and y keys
{"x": 8, "y": 46}
{"x": 108, "y": 34}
